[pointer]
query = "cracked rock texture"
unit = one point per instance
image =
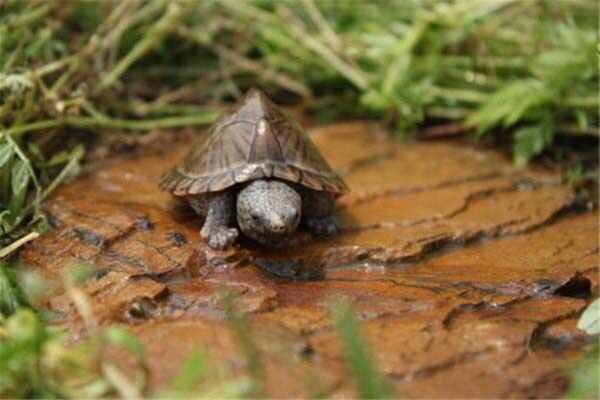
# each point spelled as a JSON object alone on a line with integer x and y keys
{"x": 468, "y": 275}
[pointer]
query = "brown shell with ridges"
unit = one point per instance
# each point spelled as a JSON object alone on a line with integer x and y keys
{"x": 255, "y": 140}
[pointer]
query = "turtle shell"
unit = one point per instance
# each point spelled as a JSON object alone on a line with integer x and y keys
{"x": 255, "y": 140}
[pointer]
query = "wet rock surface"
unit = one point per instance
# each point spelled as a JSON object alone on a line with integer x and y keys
{"x": 468, "y": 275}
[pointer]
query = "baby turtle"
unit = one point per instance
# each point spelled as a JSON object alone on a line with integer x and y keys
{"x": 256, "y": 165}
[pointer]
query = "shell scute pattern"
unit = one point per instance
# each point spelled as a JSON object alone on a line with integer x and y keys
{"x": 253, "y": 141}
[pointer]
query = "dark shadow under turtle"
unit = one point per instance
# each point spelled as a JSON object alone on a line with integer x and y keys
{"x": 257, "y": 167}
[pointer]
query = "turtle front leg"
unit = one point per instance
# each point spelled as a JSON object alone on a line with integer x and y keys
{"x": 216, "y": 229}
{"x": 317, "y": 212}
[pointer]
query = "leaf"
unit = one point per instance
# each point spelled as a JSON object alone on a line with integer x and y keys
{"x": 6, "y": 152}
{"x": 25, "y": 326}
{"x": 589, "y": 322}
{"x": 512, "y": 104}
{"x": 584, "y": 382}
{"x": 531, "y": 141}
{"x": 19, "y": 177}
{"x": 15, "y": 207}
{"x": 19, "y": 181}
{"x": 11, "y": 295}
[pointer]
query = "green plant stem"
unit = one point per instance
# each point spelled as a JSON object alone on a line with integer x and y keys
{"x": 68, "y": 169}
{"x": 303, "y": 38}
{"x": 151, "y": 39}
{"x": 33, "y": 15}
{"x": 573, "y": 129}
{"x": 488, "y": 62}
{"x": 355, "y": 75}
{"x": 264, "y": 71}
{"x": 159, "y": 108}
{"x": 52, "y": 67}
{"x": 403, "y": 55}
{"x": 120, "y": 382}
{"x": 469, "y": 96}
{"x": 96, "y": 122}
{"x": 24, "y": 159}
{"x": 472, "y": 96}
{"x": 11, "y": 248}
{"x": 582, "y": 102}
{"x": 370, "y": 382}
{"x": 448, "y": 112}
{"x": 319, "y": 20}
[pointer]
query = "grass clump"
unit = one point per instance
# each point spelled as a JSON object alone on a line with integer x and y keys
{"x": 22, "y": 338}
{"x": 36, "y": 360}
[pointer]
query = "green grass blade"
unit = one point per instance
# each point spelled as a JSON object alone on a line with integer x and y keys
{"x": 370, "y": 383}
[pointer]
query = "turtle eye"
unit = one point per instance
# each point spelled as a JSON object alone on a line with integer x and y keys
{"x": 255, "y": 217}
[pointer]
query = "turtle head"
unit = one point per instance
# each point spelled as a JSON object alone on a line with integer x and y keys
{"x": 268, "y": 211}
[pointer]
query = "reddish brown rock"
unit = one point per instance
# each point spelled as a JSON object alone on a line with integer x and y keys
{"x": 467, "y": 274}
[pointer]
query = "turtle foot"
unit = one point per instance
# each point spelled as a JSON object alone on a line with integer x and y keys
{"x": 220, "y": 238}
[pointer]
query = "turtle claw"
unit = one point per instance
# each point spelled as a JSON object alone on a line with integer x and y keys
{"x": 220, "y": 238}
{"x": 322, "y": 226}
